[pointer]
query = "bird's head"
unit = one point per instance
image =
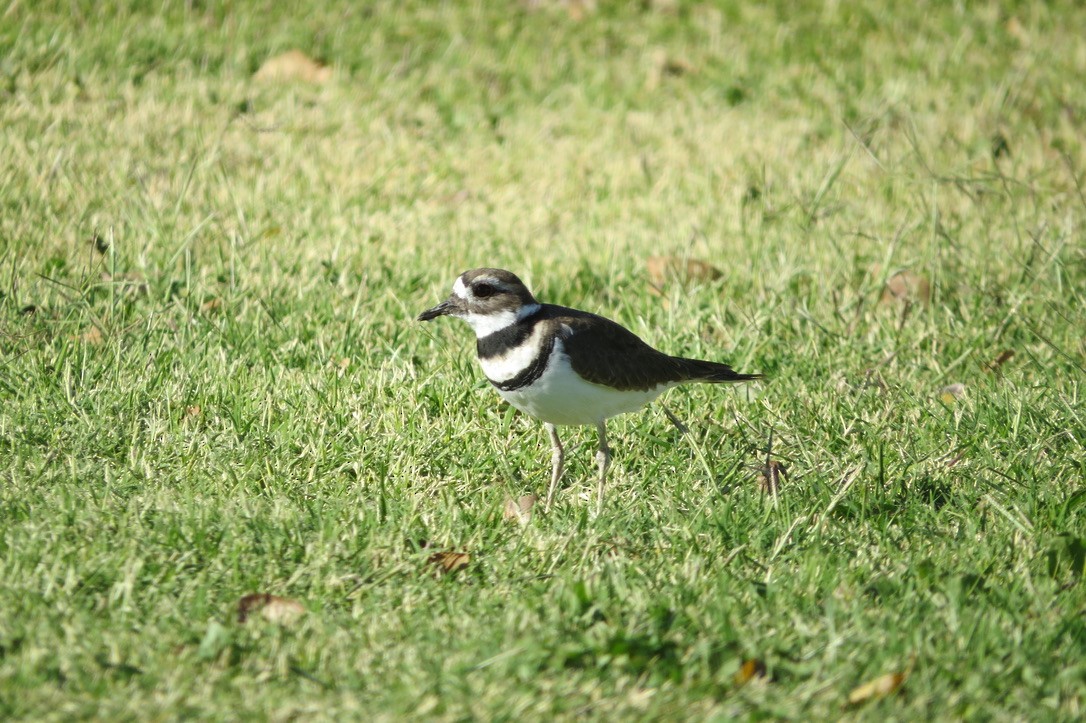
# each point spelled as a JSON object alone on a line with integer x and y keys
{"x": 488, "y": 299}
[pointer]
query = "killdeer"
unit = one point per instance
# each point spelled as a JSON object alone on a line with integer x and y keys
{"x": 564, "y": 366}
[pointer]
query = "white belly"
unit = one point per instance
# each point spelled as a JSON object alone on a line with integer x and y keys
{"x": 559, "y": 396}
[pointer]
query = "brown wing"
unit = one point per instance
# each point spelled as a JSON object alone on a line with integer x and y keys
{"x": 603, "y": 352}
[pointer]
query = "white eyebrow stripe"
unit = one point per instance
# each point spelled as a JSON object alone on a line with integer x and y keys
{"x": 459, "y": 289}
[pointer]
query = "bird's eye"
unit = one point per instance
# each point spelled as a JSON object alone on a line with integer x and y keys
{"x": 482, "y": 291}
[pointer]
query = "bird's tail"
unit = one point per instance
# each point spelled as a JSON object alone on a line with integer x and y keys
{"x": 698, "y": 370}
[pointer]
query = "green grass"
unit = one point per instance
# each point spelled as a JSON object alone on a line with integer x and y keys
{"x": 211, "y": 382}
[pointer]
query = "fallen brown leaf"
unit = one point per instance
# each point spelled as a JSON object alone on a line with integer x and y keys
{"x": 1004, "y": 356}
{"x": 1016, "y": 31}
{"x": 283, "y": 611}
{"x": 579, "y": 9}
{"x": 92, "y": 335}
{"x": 274, "y": 609}
{"x": 519, "y": 510}
{"x": 772, "y": 473}
{"x": 663, "y": 64}
{"x": 678, "y": 66}
{"x": 211, "y": 305}
{"x": 194, "y": 410}
{"x": 670, "y": 65}
{"x": 99, "y": 242}
{"x": 750, "y": 669}
{"x": 880, "y": 687}
{"x": 663, "y": 269}
{"x": 293, "y": 65}
{"x": 450, "y": 562}
{"x": 906, "y": 286}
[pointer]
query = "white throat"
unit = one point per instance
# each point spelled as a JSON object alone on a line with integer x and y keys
{"x": 487, "y": 324}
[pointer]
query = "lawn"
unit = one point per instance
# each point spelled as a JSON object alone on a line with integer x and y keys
{"x": 212, "y": 383}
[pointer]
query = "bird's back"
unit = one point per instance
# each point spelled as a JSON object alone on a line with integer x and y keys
{"x": 605, "y": 352}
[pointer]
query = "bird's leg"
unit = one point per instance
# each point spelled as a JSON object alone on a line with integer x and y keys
{"x": 603, "y": 459}
{"x": 557, "y": 460}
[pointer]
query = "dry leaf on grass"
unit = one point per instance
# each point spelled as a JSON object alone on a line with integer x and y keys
{"x": 193, "y": 410}
{"x": 1016, "y": 31}
{"x": 580, "y": 9}
{"x": 772, "y": 471}
{"x": 519, "y": 509}
{"x": 1004, "y": 356}
{"x": 665, "y": 65}
{"x": 750, "y": 669}
{"x": 772, "y": 474}
{"x": 906, "y": 286}
{"x": 450, "y": 562}
{"x": 668, "y": 64}
{"x": 274, "y": 609}
{"x": 210, "y": 305}
{"x": 880, "y": 687}
{"x": 293, "y": 65}
{"x": 92, "y": 335}
{"x": 99, "y": 243}
{"x": 663, "y": 269}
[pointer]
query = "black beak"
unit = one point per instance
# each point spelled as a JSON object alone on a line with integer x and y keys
{"x": 445, "y": 307}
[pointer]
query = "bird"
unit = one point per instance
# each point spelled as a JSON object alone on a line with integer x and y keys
{"x": 565, "y": 366}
